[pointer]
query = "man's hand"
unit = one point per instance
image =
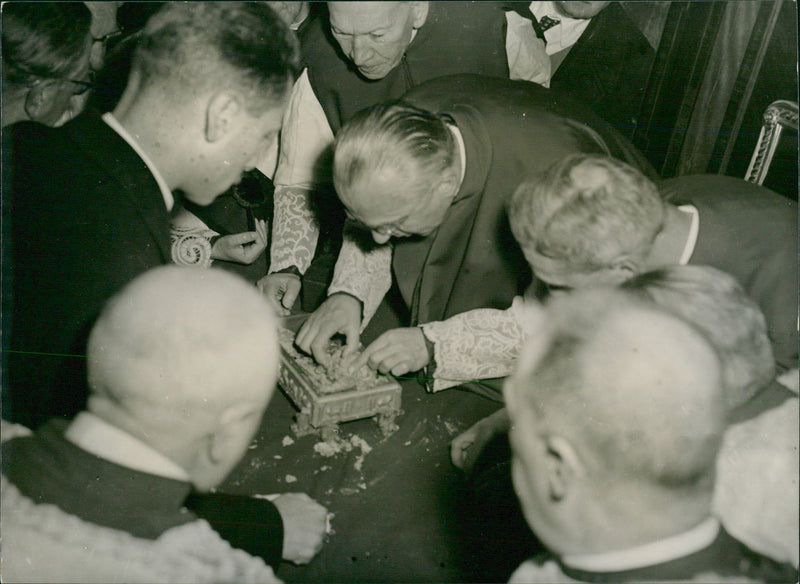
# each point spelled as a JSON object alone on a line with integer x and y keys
{"x": 282, "y": 290}
{"x": 304, "y": 526}
{"x": 242, "y": 248}
{"x": 396, "y": 351}
{"x": 340, "y": 313}
{"x": 465, "y": 448}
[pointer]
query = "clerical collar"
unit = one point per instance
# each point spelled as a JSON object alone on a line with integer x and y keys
{"x": 98, "y": 437}
{"x": 694, "y": 230}
{"x": 657, "y": 552}
{"x": 166, "y": 193}
{"x": 462, "y": 152}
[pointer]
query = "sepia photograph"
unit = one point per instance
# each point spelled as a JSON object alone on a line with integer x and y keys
{"x": 364, "y": 292}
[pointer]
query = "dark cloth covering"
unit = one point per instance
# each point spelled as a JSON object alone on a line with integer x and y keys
{"x": 751, "y": 233}
{"x": 457, "y": 37}
{"x": 253, "y": 525}
{"x": 86, "y": 217}
{"x": 510, "y": 129}
{"x": 608, "y": 68}
{"x": 49, "y": 469}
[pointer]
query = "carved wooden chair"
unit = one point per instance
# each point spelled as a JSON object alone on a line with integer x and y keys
{"x": 779, "y": 127}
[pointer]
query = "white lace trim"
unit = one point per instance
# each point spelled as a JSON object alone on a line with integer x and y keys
{"x": 367, "y": 275}
{"x": 477, "y": 344}
{"x": 295, "y": 230}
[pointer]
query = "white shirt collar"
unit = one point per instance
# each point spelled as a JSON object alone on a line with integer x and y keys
{"x": 169, "y": 199}
{"x": 462, "y": 151}
{"x": 657, "y": 552}
{"x": 95, "y": 435}
{"x": 563, "y": 35}
{"x": 694, "y": 230}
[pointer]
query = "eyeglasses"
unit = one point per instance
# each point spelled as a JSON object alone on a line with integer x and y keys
{"x": 84, "y": 85}
{"x": 106, "y": 37}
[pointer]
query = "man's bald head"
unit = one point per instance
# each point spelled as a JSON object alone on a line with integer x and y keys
{"x": 640, "y": 388}
{"x": 627, "y": 402}
{"x": 176, "y": 349}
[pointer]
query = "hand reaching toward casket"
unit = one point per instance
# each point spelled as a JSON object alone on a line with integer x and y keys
{"x": 242, "y": 248}
{"x": 465, "y": 448}
{"x": 282, "y": 290}
{"x": 339, "y": 314}
{"x": 305, "y": 525}
{"x": 397, "y": 351}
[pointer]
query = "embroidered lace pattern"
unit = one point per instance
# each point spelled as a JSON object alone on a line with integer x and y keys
{"x": 191, "y": 247}
{"x": 367, "y": 275}
{"x": 477, "y": 344}
{"x": 295, "y": 230}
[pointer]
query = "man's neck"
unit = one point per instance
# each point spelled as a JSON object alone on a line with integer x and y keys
{"x": 97, "y": 436}
{"x": 145, "y": 122}
{"x": 670, "y": 243}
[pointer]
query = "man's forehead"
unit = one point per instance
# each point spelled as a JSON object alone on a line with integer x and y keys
{"x": 365, "y": 16}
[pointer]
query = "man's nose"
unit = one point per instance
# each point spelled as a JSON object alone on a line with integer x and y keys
{"x": 360, "y": 51}
{"x": 97, "y": 56}
{"x": 380, "y": 238}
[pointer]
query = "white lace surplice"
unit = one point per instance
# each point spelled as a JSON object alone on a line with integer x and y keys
{"x": 477, "y": 344}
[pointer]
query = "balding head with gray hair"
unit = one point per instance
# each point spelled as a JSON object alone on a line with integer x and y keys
{"x": 624, "y": 405}
{"x": 716, "y": 304}
{"x": 182, "y": 355}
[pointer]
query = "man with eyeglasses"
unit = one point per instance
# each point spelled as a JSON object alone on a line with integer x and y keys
{"x": 427, "y": 178}
{"x": 46, "y": 61}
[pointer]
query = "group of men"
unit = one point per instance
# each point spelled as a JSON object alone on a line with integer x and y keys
{"x": 478, "y": 196}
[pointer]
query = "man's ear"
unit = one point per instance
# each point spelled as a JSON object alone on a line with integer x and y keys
{"x": 226, "y": 442}
{"x": 419, "y": 11}
{"x": 221, "y": 113}
{"x": 447, "y": 185}
{"x": 39, "y": 99}
{"x": 623, "y": 268}
{"x": 563, "y": 467}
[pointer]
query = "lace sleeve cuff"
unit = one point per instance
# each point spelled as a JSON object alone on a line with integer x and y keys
{"x": 478, "y": 344}
{"x": 191, "y": 247}
{"x": 294, "y": 230}
{"x": 367, "y": 275}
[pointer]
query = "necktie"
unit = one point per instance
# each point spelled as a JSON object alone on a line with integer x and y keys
{"x": 547, "y": 22}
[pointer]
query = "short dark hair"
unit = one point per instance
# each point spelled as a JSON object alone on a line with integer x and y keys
{"x": 393, "y": 134}
{"x": 245, "y": 45}
{"x": 44, "y": 40}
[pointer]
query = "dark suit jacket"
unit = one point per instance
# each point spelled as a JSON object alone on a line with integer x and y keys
{"x": 608, "y": 68}
{"x": 510, "y": 129}
{"x": 749, "y": 232}
{"x": 49, "y": 469}
{"x": 86, "y": 217}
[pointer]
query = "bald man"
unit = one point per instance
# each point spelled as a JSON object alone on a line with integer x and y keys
{"x": 617, "y": 415}
{"x": 182, "y": 364}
